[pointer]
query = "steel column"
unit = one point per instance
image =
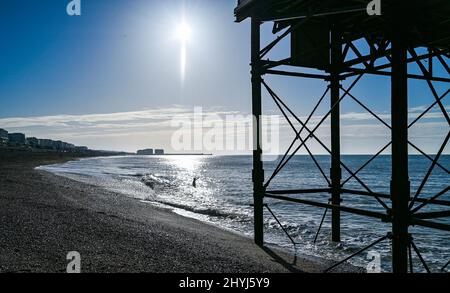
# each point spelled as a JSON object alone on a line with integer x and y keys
{"x": 400, "y": 185}
{"x": 336, "y": 60}
{"x": 258, "y": 172}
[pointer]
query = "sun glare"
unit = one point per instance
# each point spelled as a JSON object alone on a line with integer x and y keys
{"x": 183, "y": 32}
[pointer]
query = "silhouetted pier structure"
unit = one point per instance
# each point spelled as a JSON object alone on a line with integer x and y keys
{"x": 324, "y": 36}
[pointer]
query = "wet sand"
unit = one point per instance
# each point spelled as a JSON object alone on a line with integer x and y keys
{"x": 43, "y": 217}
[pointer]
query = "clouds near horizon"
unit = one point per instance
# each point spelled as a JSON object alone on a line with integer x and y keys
{"x": 129, "y": 131}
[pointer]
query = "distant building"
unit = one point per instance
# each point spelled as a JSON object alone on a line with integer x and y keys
{"x": 3, "y": 133}
{"x": 3, "y": 137}
{"x": 146, "y": 152}
{"x": 159, "y": 152}
{"x": 33, "y": 142}
{"x": 68, "y": 147}
{"x": 59, "y": 145}
{"x": 17, "y": 139}
{"x": 81, "y": 149}
{"x": 47, "y": 144}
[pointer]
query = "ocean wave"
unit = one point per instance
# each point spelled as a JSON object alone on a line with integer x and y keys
{"x": 211, "y": 212}
{"x": 152, "y": 181}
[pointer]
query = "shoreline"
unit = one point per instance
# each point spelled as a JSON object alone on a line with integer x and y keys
{"x": 45, "y": 216}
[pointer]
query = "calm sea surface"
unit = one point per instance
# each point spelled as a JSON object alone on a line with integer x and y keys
{"x": 224, "y": 194}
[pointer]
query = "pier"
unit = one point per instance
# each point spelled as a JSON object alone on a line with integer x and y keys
{"x": 324, "y": 38}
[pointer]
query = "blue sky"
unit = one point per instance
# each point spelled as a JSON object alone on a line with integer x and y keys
{"x": 76, "y": 78}
{"x": 118, "y": 56}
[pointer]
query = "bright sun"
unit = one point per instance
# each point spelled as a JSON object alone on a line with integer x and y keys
{"x": 183, "y": 32}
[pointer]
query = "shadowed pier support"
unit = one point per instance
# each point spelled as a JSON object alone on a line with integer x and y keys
{"x": 336, "y": 60}
{"x": 400, "y": 186}
{"x": 258, "y": 172}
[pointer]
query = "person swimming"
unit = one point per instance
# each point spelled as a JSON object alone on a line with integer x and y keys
{"x": 194, "y": 183}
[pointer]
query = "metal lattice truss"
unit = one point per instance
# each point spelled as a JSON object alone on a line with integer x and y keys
{"x": 389, "y": 55}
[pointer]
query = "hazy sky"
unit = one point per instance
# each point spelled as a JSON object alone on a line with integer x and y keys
{"x": 110, "y": 79}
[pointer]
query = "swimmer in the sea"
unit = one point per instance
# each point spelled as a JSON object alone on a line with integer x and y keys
{"x": 194, "y": 183}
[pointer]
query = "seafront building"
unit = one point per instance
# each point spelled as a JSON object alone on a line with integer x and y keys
{"x": 33, "y": 142}
{"x": 146, "y": 152}
{"x": 3, "y": 137}
{"x": 159, "y": 152}
{"x": 17, "y": 139}
{"x": 21, "y": 141}
{"x": 81, "y": 149}
{"x": 150, "y": 152}
{"x": 47, "y": 144}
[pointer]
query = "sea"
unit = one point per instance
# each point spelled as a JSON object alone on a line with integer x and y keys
{"x": 223, "y": 197}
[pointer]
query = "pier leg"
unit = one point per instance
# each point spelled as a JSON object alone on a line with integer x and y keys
{"x": 336, "y": 59}
{"x": 400, "y": 185}
{"x": 258, "y": 172}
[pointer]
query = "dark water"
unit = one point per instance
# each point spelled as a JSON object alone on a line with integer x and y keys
{"x": 224, "y": 194}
